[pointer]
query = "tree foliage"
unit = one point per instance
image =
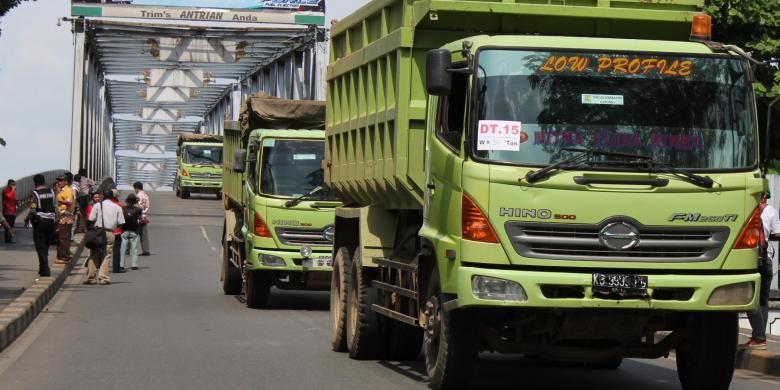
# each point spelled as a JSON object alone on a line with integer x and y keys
{"x": 6, "y": 5}
{"x": 755, "y": 26}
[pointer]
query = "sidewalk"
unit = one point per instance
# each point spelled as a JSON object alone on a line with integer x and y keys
{"x": 766, "y": 362}
{"x": 23, "y": 294}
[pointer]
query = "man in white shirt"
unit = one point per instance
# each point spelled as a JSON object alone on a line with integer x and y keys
{"x": 770, "y": 222}
{"x": 107, "y": 216}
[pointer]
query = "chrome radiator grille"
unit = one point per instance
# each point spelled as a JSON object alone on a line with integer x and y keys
{"x": 581, "y": 242}
{"x": 206, "y": 176}
{"x": 302, "y": 236}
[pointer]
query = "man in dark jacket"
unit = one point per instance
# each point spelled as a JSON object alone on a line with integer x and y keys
{"x": 42, "y": 212}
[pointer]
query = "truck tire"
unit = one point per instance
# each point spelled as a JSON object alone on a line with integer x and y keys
{"x": 404, "y": 341}
{"x": 362, "y": 323}
{"x": 258, "y": 288}
{"x": 705, "y": 358}
{"x": 185, "y": 194}
{"x": 450, "y": 343}
{"x": 231, "y": 277}
{"x": 177, "y": 190}
{"x": 338, "y": 300}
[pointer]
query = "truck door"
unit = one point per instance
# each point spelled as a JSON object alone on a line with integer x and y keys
{"x": 445, "y": 161}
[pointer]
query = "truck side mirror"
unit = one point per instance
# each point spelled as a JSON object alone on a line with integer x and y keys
{"x": 178, "y": 151}
{"x": 438, "y": 80}
{"x": 239, "y": 160}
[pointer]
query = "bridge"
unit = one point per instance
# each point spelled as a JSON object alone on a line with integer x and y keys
{"x": 136, "y": 86}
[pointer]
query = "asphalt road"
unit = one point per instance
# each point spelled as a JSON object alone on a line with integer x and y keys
{"x": 168, "y": 326}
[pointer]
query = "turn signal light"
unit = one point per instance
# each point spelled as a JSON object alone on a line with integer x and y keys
{"x": 185, "y": 173}
{"x": 751, "y": 233}
{"x": 701, "y": 28}
{"x": 261, "y": 229}
{"x": 476, "y": 226}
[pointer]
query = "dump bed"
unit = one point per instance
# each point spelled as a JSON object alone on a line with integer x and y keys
{"x": 376, "y": 105}
{"x": 199, "y": 138}
{"x": 265, "y": 112}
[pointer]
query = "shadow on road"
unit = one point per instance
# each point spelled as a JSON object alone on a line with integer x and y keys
{"x": 496, "y": 371}
{"x": 295, "y": 300}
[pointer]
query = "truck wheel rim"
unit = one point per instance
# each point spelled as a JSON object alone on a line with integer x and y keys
{"x": 352, "y": 306}
{"x": 432, "y": 333}
{"x": 335, "y": 298}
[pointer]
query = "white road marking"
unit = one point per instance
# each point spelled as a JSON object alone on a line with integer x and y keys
{"x": 206, "y": 236}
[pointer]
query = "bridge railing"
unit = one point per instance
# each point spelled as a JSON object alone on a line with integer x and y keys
{"x": 25, "y": 185}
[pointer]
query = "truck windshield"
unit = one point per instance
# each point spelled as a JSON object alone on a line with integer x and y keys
{"x": 202, "y": 155}
{"x": 292, "y": 168}
{"x": 690, "y": 112}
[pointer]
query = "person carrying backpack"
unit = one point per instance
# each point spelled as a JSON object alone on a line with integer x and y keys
{"x": 131, "y": 231}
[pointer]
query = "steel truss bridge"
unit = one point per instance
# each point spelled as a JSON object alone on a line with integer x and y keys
{"x": 138, "y": 85}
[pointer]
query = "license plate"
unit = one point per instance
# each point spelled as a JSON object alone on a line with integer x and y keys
{"x": 619, "y": 283}
{"x": 320, "y": 261}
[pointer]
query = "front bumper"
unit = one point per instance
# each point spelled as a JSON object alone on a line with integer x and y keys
{"x": 292, "y": 260}
{"x": 201, "y": 186}
{"x": 533, "y": 281}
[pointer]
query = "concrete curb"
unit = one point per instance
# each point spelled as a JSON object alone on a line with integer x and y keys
{"x": 18, "y": 315}
{"x": 764, "y": 362}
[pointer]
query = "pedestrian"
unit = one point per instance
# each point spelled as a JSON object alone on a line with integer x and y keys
{"x": 9, "y": 210}
{"x": 7, "y": 227}
{"x": 143, "y": 203}
{"x": 96, "y": 198}
{"x": 42, "y": 214}
{"x": 117, "y": 258}
{"x": 107, "y": 216}
{"x": 770, "y": 223}
{"x": 86, "y": 187}
{"x": 130, "y": 231}
{"x": 74, "y": 187}
{"x": 66, "y": 204}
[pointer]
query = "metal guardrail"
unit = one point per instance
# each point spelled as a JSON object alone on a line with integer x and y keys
{"x": 24, "y": 187}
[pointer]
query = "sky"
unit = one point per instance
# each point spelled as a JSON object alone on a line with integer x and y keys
{"x": 36, "y": 76}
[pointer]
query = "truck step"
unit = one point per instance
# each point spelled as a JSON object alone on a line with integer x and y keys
{"x": 390, "y": 263}
{"x": 398, "y": 290}
{"x": 395, "y": 315}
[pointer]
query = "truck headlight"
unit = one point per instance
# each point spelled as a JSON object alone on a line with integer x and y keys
{"x": 485, "y": 287}
{"x": 733, "y": 294}
{"x": 272, "y": 261}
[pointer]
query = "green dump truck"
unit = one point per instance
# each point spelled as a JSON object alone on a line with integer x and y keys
{"x": 574, "y": 180}
{"x": 200, "y": 165}
{"x": 278, "y": 227}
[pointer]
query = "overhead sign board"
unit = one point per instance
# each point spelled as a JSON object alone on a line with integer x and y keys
{"x": 308, "y": 12}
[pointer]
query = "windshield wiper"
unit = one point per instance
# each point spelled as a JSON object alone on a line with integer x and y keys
{"x": 582, "y": 156}
{"x": 653, "y": 165}
{"x": 294, "y": 202}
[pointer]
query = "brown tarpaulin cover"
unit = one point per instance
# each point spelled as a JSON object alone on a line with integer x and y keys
{"x": 262, "y": 111}
{"x": 199, "y": 138}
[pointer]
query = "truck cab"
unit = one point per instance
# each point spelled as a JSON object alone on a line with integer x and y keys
{"x": 199, "y": 168}
{"x": 279, "y": 213}
{"x": 577, "y": 181}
